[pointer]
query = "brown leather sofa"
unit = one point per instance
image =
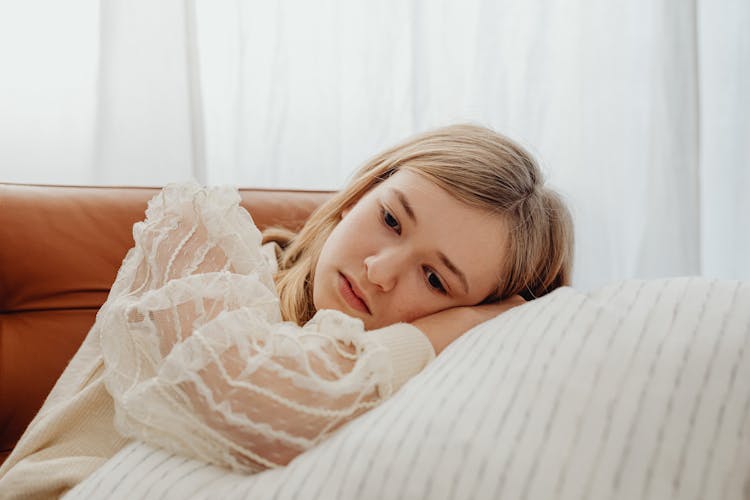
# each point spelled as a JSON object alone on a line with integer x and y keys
{"x": 60, "y": 248}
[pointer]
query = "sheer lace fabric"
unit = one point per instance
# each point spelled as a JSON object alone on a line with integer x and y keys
{"x": 197, "y": 358}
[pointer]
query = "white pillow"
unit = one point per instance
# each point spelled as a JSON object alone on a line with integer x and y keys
{"x": 639, "y": 390}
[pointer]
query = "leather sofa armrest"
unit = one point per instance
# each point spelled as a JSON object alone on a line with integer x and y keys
{"x": 61, "y": 249}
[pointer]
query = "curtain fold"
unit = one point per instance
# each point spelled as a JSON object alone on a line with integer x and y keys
{"x": 638, "y": 111}
{"x": 724, "y": 82}
{"x": 609, "y": 97}
{"x": 148, "y": 110}
{"x": 48, "y": 76}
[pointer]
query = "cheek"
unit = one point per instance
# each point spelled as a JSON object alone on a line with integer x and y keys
{"x": 411, "y": 303}
{"x": 404, "y": 314}
{"x": 323, "y": 268}
{"x": 337, "y": 241}
{"x": 337, "y": 252}
{"x": 335, "y": 247}
{"x": 350, "y": 240}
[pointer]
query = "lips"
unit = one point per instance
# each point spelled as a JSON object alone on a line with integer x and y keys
{"x": 351, "y": 295}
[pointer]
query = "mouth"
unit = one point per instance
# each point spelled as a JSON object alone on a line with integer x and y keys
{"x": 351, "y": 295}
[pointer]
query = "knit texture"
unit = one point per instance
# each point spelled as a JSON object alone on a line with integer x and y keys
{"x": 637, "y": 391}
{"x": 189, "y": 353}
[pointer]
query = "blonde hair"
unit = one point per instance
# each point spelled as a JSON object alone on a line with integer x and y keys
{"x": 479, "y": 167}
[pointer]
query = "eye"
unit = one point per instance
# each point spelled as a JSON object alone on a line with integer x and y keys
{"x": 434, "y": 280}
{"x": 390, "y": 220}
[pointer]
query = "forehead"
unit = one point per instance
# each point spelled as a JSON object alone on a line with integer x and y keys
{"x": 473, "y": 239}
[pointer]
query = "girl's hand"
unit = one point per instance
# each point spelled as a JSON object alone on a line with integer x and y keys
{"x": 443, "y": 327}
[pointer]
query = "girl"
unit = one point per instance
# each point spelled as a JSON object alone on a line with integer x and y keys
{"x": 215, "y": 347}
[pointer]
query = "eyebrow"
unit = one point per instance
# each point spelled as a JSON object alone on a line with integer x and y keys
{"x": 455, "y": 270}
{"x": 406, "y": 205}
{"x": 450, "y": 265}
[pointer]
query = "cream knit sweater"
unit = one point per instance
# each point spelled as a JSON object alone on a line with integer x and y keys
{"x": 189, "y": 353}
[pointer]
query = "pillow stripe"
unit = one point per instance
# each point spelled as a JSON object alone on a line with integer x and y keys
{"x": 486, "y": 385}
{"x": 637, "y": 416}
{"x": 534, "y": 402}
{"x": 595, "y": 382}
{"x": 548, "y": 315}
{"x": 742, "y": 450}
{"x": 115, "y": 465}
{"x": 708, "y": 374}
{"x": 598, "y": 315}
{"x": 638, "y": 390}
{"x": 742, "y": 326}
{"x": 490, "y": 387}
{"x": 659, "y": 440}
{"x": 161, "y": 479}
{"x": 423, "y": 401}
{"x": 740, "y": 458}
{"x": 463, "y": 409}
{"x": 614, "y": 400}
{"x": 417, "y": 400}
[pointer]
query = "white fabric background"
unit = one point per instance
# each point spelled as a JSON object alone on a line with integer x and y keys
{"x": 638, "y": 111}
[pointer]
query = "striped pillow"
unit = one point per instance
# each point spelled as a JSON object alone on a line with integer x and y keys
{"x": 639, "y": 390}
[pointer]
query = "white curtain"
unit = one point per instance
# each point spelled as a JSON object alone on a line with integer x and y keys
{"x": 48, "y": 74}
{"x": 724, "y": 138}
{"x": 148, "y": 125}
{"x": 639, "y": 111}
{"x": 98, "y": 92}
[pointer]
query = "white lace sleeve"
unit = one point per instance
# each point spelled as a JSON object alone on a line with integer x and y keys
{"x": 198, "y": 360}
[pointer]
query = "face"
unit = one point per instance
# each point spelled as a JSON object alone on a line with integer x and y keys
{"x": 408, "y": 249}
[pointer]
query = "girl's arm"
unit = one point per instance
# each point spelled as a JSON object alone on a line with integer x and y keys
{"x": 445, "y": 326}
{"x": 198, "y": 360}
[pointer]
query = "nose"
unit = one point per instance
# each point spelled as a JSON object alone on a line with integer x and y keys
{"x": 384, "y": 267}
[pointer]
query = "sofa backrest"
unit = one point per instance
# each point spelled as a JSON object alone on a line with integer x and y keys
{"x": 60, "y": 249}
